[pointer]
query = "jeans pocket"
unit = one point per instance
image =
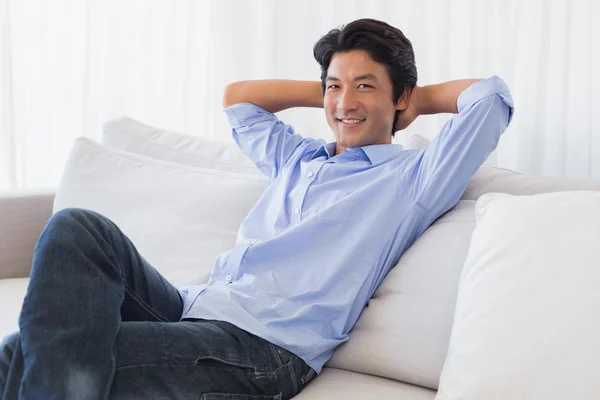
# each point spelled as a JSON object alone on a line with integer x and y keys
{"x": 308, "y": 376}
{"x": 223, "y": 361}
{"x": 282, "y": 355}
{"x": 239, "y": 396}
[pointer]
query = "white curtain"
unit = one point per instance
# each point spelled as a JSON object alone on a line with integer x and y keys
{"x": 67, "y": 66}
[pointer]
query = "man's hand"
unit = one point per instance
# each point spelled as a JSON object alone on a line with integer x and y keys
{"x": 432, "y": 99}
{"x": 411, "y": 112}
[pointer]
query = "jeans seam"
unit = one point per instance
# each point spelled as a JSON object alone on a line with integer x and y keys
{"x": 290, "y": 368}
{"x": 277, "y": 357}
{"x": 143, "y": 304}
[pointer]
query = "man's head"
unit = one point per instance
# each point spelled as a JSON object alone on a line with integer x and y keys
{"x": 367, "y": 71}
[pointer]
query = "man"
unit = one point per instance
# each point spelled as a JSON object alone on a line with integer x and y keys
{"x": 99, "y": 322}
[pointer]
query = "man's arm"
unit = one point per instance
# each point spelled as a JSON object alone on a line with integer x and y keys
{"x": 250, "y": 108}
{"x": 441, "y": 98}
{"x": 274, "y": 94}
{"x": 440, "y": 172}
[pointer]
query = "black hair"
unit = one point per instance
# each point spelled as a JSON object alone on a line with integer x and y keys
{"x": 385, "y": 44}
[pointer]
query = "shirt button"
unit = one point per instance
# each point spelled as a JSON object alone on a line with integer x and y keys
{"x": 297, "y": 211}
{"x": 228, "y": 278}
{"x": 246, "y": 242}
{"x": 309, "y": 174}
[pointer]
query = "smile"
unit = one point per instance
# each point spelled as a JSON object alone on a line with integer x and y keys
{"x": 351, "y": 122}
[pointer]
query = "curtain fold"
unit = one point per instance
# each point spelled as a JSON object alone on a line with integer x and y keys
{"x": 67, "y": 66}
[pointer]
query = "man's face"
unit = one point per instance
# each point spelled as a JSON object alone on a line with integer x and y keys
{"x": 358, "y": 100}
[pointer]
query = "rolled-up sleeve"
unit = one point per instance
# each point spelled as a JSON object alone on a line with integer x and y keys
{"x": 441, "y": 171}
{"x": 261, "y": 136}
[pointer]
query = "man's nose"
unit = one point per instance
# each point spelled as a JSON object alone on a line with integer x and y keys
{"x": 348, "y": 101}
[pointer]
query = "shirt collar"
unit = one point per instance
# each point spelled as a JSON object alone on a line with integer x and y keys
{"x": 374, "y": 153}
{"x": 327, "y": 150}
{"x": 381, "y": 152}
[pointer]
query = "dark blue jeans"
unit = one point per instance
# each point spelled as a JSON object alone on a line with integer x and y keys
{"x": 99, "y": 322}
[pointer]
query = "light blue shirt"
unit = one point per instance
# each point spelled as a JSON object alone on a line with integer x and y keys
{"x": 328, "y": 228}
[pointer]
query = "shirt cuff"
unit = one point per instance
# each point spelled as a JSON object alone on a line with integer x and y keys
{"x": 245, "y": 114}
{"x": 482, "y": 89}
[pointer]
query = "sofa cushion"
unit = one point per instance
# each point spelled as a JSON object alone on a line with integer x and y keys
{"x": 403, "y": 333}
{"x": 527, "y": 321}
{"x": 133, "y": 136}
{"x": 179, "y": 217}
{"x": 337, "y": 384}
{"x": 12, "y": 293}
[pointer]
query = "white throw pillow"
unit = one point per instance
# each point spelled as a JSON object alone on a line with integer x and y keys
{"x": 179, "y": 217}
{"x": 527, "y": 320}
{"x": 135, "y": 137}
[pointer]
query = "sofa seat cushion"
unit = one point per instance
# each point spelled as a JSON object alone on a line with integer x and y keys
{"x": 337, "y": 384}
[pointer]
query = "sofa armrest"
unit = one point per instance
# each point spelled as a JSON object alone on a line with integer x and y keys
{"x": 23, "y": 215}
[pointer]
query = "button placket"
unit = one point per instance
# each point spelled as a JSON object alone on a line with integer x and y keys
{"x": 310, "y": 177}
{"x": 233, "y": 264}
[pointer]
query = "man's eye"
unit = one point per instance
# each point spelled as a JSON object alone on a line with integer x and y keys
{"x": 365, "y": 85}
{"x": 332, "y": 86}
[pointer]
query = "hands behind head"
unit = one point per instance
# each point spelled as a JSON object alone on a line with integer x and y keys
{"x": 411, "y": 112}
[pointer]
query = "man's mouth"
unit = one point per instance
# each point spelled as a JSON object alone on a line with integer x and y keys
{"x": 350, "y": 121}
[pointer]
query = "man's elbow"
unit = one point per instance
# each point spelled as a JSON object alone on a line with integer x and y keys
{"x": 503, "y": 99}
{"x": 497, "y": 107}
{"x": 504, "y": 108}
{"x": 232, "y": 94}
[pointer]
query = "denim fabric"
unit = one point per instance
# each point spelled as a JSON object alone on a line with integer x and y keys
{"x": 99, "y": 322}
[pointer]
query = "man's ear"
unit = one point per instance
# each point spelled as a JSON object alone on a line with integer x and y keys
{"x": 403, "y": 100}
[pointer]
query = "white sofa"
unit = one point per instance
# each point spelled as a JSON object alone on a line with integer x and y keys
{"x": 398, "y": 347}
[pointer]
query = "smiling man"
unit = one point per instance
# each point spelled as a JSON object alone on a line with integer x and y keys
{"x": 98, "y": 321}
